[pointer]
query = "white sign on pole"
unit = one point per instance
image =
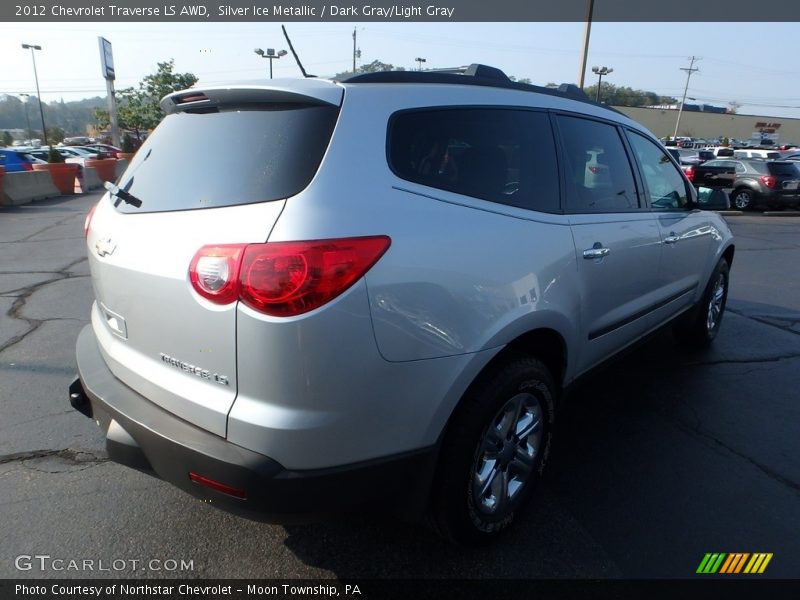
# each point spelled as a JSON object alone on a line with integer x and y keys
{"x": 106, "y": 58}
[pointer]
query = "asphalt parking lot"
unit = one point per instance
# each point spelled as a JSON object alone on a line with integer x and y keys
{"x": 662, "y": 457}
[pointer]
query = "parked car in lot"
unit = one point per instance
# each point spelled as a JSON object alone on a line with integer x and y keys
{"x": 13, "y": 160}
{"x": 757, "y": 153}
{"x": 76, "y": 154}
{"x": 718, "y": 152}
{"x": 103, "y": 150}
{"x": 795, "y": 156}
{"x": 774, "y": 184}
{"x": 352, "y": 312}
{"x": 688, "y": 157}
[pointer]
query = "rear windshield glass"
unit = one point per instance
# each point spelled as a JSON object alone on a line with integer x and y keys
{"x": 236, "y": 156}
{"x": 784, "y": 169}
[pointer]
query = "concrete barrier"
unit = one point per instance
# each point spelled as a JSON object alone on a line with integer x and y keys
{"x": 86, "y": 180}
{"x": 26, "y": 186}
{"x": 122, "y": 164}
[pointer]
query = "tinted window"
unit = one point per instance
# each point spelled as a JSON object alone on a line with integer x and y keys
{"x": 725, "y": 152}
{"x": 666, "y": 187}
{"x": 230, "y": 157}
{"x": 501, "y": 155}
{"x": 783, "y": 169}
{"x": 599, "y": 176}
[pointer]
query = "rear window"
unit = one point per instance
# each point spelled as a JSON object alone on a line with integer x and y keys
{"x": 505, "y": 156}
{"x": 725, "y": 152}
{"x": 785, "y": 169}
{"x": 235, "y": 156}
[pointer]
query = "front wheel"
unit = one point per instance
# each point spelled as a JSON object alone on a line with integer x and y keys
{"x": 700, "y": 327}
{"x": 494, "y": 451}
{"x": 743, "y": 199}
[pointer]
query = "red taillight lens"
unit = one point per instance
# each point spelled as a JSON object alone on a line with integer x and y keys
{"x": 769, "y": 181}
{"x": 26, "y": 166}
{"x": 689, "y": 173}
{"x": 284, "y": 279}
{"x": 214, "y": 272}
{"x": 291, "y": 278}
{"x": 88, "y": 221}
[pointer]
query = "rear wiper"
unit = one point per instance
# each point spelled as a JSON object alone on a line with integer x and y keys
{"x": 120, "y": 194}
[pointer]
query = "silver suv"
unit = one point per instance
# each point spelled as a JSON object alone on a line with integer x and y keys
{"x": 378, "y": 289}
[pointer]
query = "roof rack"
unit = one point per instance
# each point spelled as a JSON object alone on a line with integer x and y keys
{"x": 474, "y": 74}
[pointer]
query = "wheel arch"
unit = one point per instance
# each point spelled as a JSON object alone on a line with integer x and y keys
{"x": 545, "y": 344}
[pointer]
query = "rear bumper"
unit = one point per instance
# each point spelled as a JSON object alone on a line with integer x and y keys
{"x": 142, "y": 435}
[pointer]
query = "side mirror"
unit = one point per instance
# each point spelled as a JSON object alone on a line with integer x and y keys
{"x": 712, "y": 199}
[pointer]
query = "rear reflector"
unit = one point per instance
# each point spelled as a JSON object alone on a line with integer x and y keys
{"x": 284, "y": 278}
{"x": 216, "y": 485}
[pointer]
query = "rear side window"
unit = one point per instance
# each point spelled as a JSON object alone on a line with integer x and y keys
{"x": 725, "y": 152}
{"x": 235, "y": 156}
{"x": 784, "y": 169}
{"x": 501, "y": 155}
{"x": 599, "y": 176}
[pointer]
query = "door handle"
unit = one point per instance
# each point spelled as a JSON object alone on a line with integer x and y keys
{"x": 597, "y": 251}
{"x": 671, "y": 238}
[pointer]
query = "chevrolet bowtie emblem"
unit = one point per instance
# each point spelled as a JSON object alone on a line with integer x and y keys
{"x": 105, "y": 247}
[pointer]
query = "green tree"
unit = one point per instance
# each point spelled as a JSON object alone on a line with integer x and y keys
{"x": 7, "y": 139}
{"x": 138, "y": 108}
{"x": 55, "y": 135}
{"x": 374, "y": 67}
{"x": 626, "y": 96}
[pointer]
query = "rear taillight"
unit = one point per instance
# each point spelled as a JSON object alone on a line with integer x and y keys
{"x": 769, "y": 181}
{"x": 88, "y": 221}
{"x": 26, "y": 166}
{"x": 214, "y": 272}
{"x": 284, "y": 278}
{"x": 689, "y": 173}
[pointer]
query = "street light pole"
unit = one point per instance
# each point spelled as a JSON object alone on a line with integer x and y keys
{"x": 32, "y": 47}
{"x": 600, "y": 71}
{"x": 271, "y": 55}
{"x": 27, "y": 117}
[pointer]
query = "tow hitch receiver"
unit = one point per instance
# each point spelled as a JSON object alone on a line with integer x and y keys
{"x": 78, "y": 398}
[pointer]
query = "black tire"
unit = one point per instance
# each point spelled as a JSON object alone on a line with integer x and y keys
{"x": 459, "y": 511}
{"x": 699, "y": 327}
{"x": 743, "y": 199}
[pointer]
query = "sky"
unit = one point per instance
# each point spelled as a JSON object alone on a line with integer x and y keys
{"x": 749, "y": 63}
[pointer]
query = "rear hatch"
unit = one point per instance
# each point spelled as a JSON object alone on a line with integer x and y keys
{"x": 787, "y": 178}
{"x": 217, "y": 170}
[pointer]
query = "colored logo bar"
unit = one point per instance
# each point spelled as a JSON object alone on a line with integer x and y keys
{"x": 734, "y": 563}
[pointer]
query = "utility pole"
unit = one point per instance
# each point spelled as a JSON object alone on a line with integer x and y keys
{"x": 689, "y": 71}
{"x": 354, "y": 50}
{"x": 585, "y": 50}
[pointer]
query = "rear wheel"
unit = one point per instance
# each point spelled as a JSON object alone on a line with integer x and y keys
{"x": 700, "y": 327}
{"x": 743, "y": 199}
{"x": 494, "y": 452}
